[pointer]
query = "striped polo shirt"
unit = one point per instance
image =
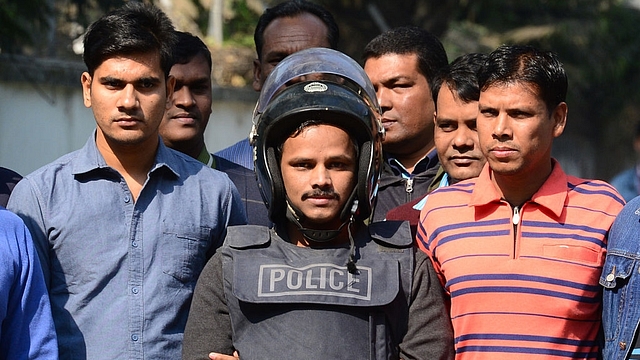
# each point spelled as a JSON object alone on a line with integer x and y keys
{"x": 524, "y": 281}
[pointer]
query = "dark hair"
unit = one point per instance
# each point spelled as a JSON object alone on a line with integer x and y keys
{"x": 522, "y": 63}
{"x": 410, "y": 40}
{"x": 188, "y": 47}
{"x": 291, "y": 9}
{"x": 461, "y": 76}
{"x": 131, "y": 29}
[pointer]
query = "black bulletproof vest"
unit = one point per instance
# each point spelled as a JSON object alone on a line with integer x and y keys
{"x": 289, "y": 302}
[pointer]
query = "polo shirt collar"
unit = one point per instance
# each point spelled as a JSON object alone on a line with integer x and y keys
{"x": 551, "y": 195}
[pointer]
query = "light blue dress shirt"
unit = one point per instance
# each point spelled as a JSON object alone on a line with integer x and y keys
{"x": 121, "y": 273}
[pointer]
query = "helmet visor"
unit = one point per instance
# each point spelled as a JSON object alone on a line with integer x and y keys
{"x": 325, "y": 63}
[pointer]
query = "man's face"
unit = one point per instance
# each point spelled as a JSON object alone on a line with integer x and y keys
{"x": 184, "y": 122}
{"x": 319, "y": 173}
{"x": 456, "y": 137}
{"x": 406, "y": 102}
{"x": 285, "y": 36}
{"x": 128, "y": 96}
{"x": 516, "y": 130}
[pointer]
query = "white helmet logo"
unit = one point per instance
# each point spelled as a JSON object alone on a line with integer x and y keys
{"x": 315, "y": 87}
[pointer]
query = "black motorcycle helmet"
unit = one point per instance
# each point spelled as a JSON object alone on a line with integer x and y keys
{"x": 329, "y": 87}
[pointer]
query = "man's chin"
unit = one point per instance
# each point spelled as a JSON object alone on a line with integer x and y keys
{"x": 322, "y": 223}
{"x": 464, "y": 172}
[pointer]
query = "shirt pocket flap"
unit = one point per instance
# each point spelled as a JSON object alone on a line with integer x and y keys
{"x": 616, "y": 270}
{"x": 184, "y": 250}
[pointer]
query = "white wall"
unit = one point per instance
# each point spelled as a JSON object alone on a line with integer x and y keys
{"x": 230, "y": 122}
{"x": 40, "y": 123}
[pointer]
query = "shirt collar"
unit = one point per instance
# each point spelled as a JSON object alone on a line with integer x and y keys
{"x": 206, "y": 158}
{"x": 551, "y": 195}
{"x": 90, "y": 159}
{"x": 427, "y": 162}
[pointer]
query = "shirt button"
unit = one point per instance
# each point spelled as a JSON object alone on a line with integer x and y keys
{"x": 610, "y": 277}
{"x": 134, "y": 244}
{"x": 134, "y": 337}
{"x": 623, "y": 345}
{"x": 134, "y": 290}
{"x": 127, "y": 198}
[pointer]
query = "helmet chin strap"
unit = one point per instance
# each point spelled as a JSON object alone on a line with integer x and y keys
{"x": 296, "y": 216}
{"x": 316, "y": 235}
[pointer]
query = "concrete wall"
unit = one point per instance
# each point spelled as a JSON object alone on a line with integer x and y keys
{"x": 42, "y": 115}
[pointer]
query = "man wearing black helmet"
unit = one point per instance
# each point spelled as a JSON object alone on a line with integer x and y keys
{"x": 320, "y": 284}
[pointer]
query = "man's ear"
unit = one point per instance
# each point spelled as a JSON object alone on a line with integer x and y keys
{"x": 636, "y": 144}
{"x": 171, "y": 83}
{"x": 257, "y": 75}
{"x": 85, "y": 80}
{"x": 559, "y": 117}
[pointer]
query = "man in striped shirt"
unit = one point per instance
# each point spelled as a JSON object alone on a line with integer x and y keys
{"x": 520, "y": 249}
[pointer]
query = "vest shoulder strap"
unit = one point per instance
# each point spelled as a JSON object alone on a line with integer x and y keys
{"x": 391, "y": 233}
{"x": 247, "y": 236}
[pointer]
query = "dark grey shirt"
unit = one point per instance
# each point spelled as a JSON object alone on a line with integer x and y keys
{"x": 121, "y": 273}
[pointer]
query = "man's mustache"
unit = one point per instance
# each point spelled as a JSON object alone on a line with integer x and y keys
{"x": 321, "y": 193}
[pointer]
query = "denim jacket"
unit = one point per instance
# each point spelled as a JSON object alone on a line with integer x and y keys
{"x": 621, "y": 281}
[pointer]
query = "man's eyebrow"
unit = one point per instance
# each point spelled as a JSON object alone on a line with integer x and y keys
{"x": 334, "y": 157}
{"x": 300, "y": 158}
{"x": 200, "y": 81}
{"x": 109, "y": 79}
{"x": 343, "y": 157}
{"x": 151, "y": 79}
{"x": 397, "y": 78}
{"x": 485, "y": 107}
{"x": 276, "y": 54}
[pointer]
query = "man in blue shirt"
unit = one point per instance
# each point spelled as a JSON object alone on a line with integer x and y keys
{"x": 124, "y": 225}
{"x": 26, "y": 330}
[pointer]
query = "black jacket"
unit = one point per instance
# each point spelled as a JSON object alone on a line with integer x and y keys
{"x": 247, "y": 185}
{"x": 394, "y": 190}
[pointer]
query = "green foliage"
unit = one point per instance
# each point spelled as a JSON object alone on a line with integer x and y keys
{"x": 21, "y": 22}
{"x": 239, "y": 29}
{"x": 202, "y": 19}
{"x": 503, "y": 15}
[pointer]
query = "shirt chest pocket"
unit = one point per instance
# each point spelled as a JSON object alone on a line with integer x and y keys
{"x": 184, "y": 251}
